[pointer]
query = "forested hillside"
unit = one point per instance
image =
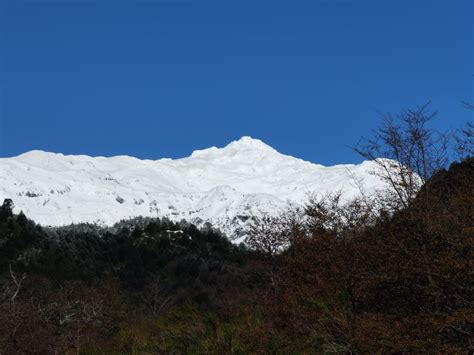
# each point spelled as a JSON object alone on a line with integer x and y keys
{"x": 390, "y": 272}
{"x": 403, "y": 282}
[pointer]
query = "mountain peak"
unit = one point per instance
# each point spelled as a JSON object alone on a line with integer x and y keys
{"x": 244, "y": 144}
{"x": 247, "y": 142}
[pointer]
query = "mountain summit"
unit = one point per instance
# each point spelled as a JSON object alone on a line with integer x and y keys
{"x": 222, "y": 186}
{"x": 244, "y": 145}
{"x": 249, "y": 143}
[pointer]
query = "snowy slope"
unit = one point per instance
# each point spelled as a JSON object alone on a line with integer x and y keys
{"x": 222, "y": 186}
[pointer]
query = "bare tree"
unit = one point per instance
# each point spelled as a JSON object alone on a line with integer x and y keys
{"x": 271, "y": 235}
{"x": 465, "y": 141}
{"x": 13, "y": 314}
{"x": 17, "y": 281}
{"x": 268, "y": 235}
{"x": 157, "y": 298}
{"x": 406, "y": 152}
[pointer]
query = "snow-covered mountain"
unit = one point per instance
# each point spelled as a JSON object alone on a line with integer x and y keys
{"x": 223, "y": 186}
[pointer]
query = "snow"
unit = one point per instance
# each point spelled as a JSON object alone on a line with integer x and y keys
{"x": 216, "y": 185}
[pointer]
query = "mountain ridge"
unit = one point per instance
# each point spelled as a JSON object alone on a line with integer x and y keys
{"x": 222, "y": 186}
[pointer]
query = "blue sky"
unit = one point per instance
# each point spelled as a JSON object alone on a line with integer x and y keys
{"x": 160, "y": 78}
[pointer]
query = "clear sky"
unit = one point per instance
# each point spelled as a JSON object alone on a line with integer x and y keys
{"x": 158, "y": 78}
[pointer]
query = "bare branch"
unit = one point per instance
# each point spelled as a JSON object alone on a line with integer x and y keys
{"x": 406, "y": 152}
{"x": 16, "y": 282}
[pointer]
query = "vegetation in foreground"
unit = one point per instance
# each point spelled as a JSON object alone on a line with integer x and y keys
{"x": 387, "y": 273}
